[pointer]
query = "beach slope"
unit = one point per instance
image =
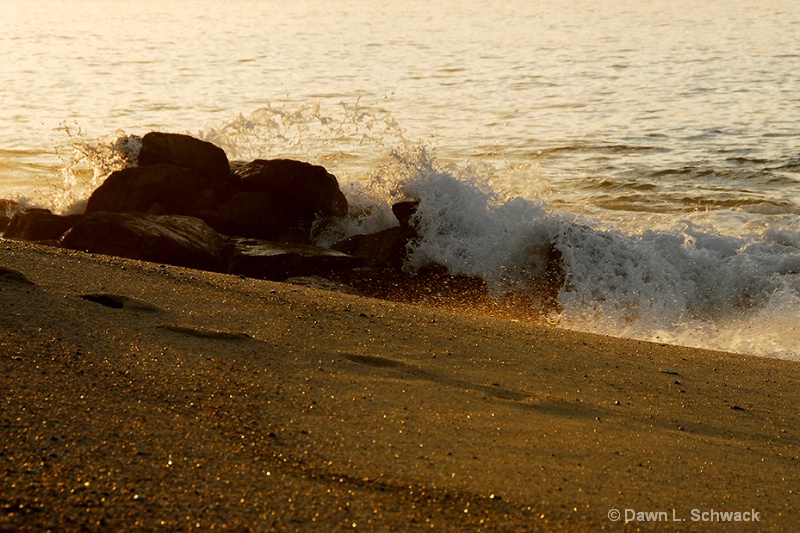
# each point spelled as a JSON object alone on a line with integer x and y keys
{"x": 141, "y": 396}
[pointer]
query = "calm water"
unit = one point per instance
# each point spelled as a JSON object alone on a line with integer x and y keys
{"x": 671, "y": 129}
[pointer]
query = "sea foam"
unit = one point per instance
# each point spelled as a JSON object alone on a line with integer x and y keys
{"x": 691, "y": 285}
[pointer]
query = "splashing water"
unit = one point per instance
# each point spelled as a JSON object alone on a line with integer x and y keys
{"x": 690, "y": 285}
{"x": 331, "y": 138}
{"x": 307, "y": 132}
{"x": 85, "y": 164}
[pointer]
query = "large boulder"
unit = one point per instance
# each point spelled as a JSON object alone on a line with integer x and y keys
{"x": 175, "y": 240}
{"x": 268, "y": 200}
{"x": 39, "y": 225}
{"x": 255, "y": 214}
{"x": 278, "y": 261}
{"x": 278, "y": 199}
{"x": 304, "y": 189}
{"x": 185, "y": 151}
{"x": 175, "y": 190}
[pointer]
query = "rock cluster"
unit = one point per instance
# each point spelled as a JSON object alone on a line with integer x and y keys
{"x": 185, "y": 204}
{"x": 181, "y": 175}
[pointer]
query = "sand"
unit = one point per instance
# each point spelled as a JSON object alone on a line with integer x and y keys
{"x": 147, "y": 397}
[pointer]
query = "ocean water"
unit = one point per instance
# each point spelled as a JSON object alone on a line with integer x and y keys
{"x": 656, "y": 144}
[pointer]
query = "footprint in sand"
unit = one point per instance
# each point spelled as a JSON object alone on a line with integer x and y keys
{"x": 116, "y": 301}
{"x": 8, "y": 275}
{"x": 420, "y": 373}
{"x": 206, "y": 333}
{"x": 371, "y": 360}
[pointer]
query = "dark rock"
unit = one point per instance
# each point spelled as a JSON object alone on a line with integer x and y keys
{"x": 277, "y": 200}
{"x": 184, "y": 151}
{"x": 175, "y": 240}
{"x": 256, "y": 214}
{"x": 434, "y": 285}
{"x": 387, "y": 248}
{"x": 157, "y": 209}
{"x": 278, "y": 261}
{"x": 403, "y": 211}
{"x": 176, "y": 190}
{"x": 179, "y": 175}
{"x": 39, "y": 225}
{"x": 4, "y": 220}
{"x": 303, "y": 190}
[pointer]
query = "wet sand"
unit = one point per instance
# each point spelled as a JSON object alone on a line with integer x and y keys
{"x": 140, "y": 396}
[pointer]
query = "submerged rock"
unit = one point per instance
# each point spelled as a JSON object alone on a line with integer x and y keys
{"x": 404, "y": 210}
{"x": 175, "y": 240}
{"x": 387, "y": 248}
{"x": 278, "y": 261}
{"x": 39, "y": 225}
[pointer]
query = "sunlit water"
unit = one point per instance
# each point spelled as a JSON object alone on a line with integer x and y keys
{"x": 656, "y": 143}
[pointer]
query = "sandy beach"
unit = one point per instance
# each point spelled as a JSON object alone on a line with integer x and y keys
{"x": 138, "y": 396}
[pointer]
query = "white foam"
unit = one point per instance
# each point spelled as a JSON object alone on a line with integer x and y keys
{"x": 465, "y": 225}
{"x": 694, "y": 287}
{"x": 691, "y": 285}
